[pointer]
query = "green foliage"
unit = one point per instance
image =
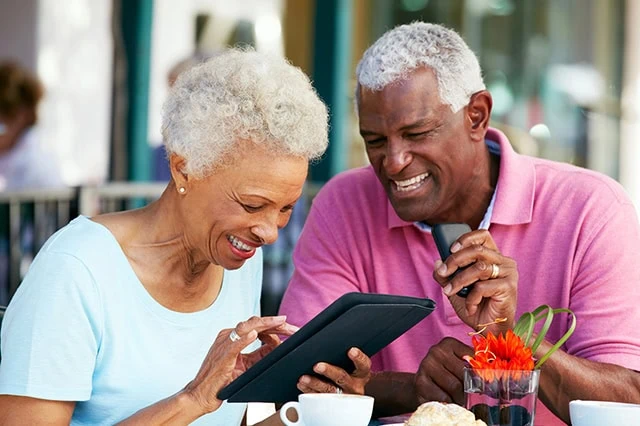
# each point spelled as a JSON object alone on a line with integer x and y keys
{"x": 526, "y": 323}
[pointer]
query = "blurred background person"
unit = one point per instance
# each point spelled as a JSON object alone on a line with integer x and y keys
{"x": 23, "y": 162}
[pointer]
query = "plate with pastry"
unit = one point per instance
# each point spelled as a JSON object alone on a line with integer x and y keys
{"x": 441, "y": 414}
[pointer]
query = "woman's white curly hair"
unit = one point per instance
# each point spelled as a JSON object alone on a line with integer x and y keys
{"x": 407, "y": 47}
{"x": 242, "y": 95}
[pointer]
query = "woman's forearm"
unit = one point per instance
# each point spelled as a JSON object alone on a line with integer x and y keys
{"x": 178, "y": 409}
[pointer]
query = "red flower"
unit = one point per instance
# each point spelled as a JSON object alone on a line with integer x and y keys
{"x": 494, "y": 355}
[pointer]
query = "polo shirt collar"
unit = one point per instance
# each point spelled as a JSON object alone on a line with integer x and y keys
{"x": 517, "y": 183}
{"x": 513, "y": 204}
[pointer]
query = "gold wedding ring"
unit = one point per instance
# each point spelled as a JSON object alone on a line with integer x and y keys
{"x": 234, "y": 336}
{"x": 495, "y": 270}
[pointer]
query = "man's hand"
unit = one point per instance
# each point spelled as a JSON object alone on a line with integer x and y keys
{"x": 494, "y": 294}
{"x": 440, "y": 376}
{"x": 338, "y": 379}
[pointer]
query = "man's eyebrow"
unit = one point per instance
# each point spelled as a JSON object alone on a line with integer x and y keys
{"x": 419, "y": 123}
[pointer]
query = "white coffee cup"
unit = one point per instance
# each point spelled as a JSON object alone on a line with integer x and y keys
{"x": 329, "y": 409}
{"x": 598, "y": 413}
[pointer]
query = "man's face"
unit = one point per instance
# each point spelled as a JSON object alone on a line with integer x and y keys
{"x": 420, "y": 150}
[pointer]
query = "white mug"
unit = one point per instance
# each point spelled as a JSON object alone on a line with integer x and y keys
{"x": 598, "y": 413}
{"x": 329, "y": 409}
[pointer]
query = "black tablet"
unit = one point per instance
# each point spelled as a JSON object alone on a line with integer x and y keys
{"x": 366, "y": 321}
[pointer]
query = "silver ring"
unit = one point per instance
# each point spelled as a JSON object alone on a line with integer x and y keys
{"x": 495, "y": 270}
{"x": 234, "y": 336}
{"x": 338, "y": 390}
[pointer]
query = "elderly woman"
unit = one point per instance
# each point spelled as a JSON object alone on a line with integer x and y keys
{"x": 141, "y": 316}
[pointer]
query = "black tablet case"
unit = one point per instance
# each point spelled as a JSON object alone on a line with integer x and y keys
{"x": 366, "y": 321}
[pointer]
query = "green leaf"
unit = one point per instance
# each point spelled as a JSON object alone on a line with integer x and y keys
{"x": 545, "y": 327}
{"x": 563, "y": 339}
{"x": 524, "y": 327}
{"x": 526, "y": 323}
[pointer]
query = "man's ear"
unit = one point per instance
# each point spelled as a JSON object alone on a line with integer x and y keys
{"x": 176, "y": 167}
{"x": 479, "y": 114}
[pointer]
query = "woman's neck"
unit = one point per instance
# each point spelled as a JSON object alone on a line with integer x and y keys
{"x": 176, "y": 275}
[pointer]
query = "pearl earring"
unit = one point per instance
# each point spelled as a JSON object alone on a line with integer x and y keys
{"x": 182, "y": 190}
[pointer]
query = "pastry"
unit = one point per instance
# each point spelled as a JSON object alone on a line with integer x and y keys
{"x": 439, "y": 414}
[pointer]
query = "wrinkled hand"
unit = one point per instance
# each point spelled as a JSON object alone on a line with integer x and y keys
{"x": 337, "y": 377}
{"x": 440, "y": 376}
{"x": 225, "y": 362}
{"x": 490, "y": 298}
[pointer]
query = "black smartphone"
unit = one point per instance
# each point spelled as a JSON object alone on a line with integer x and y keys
{"x": 445, "y": 234}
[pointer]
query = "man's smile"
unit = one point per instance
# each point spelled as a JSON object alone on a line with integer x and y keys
{"x": 410, "y": 184}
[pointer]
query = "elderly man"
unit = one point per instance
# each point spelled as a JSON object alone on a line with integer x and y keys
{"x": 557, "y": 235}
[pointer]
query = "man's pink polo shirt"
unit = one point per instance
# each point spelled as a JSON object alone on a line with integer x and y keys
{"x": 573, "y": 232}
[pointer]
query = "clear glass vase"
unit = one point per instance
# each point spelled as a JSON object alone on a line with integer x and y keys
{"x": 502, "y": 397}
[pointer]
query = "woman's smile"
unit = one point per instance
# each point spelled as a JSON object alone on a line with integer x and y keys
{"x": 240, "y": 248}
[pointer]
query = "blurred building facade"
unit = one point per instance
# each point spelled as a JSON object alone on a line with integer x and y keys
{"x": 70, "y": 48}
{"x": 563, "y": 74}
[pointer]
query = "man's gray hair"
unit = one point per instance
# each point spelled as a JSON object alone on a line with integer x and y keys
{"x": 407, "y": 47}
{"x": 242, "y": 95}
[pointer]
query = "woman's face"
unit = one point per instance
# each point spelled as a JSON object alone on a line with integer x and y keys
{"x": 241, "y": 207}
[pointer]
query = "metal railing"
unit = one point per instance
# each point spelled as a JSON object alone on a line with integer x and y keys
{"x": 117, "y": 196}
{"x": 29, "y": 217}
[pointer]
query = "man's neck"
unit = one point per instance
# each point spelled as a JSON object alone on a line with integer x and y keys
{"x": 480, "y": 196}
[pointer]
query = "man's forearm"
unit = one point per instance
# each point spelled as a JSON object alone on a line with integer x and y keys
{"x": 394, "y": 393}
{"x": 566, "y": 377}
